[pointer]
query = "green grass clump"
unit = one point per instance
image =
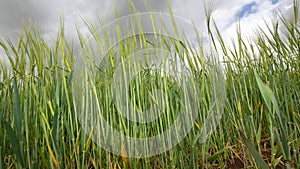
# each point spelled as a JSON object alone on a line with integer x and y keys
{"x": 260, "y": 127}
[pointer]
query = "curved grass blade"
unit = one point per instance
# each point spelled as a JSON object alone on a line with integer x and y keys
{"x": 14, "y": 142}
{"x": 271, "y": 102}
{"x": 257, "y": 157}
{"x": 17, "y": 110}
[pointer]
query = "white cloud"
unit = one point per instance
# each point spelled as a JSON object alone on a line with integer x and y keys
{"x": 265, "y": 12}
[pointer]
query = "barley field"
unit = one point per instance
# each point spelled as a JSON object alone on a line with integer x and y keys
{"x": 40, "y": 125}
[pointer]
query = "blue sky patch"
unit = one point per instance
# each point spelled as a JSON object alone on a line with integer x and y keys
{"x": 274, "y": 1}
{"x": 248, "y": 9}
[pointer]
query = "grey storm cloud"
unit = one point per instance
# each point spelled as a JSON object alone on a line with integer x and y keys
{"x": 13, "y": 12}
{"x": 141, "y": 6}
{"x": 45, "y": 12}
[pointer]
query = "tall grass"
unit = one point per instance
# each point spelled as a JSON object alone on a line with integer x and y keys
{"x": 39, "y": 127}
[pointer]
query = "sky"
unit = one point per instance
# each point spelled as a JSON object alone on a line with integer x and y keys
{"x": 47, "y": 13}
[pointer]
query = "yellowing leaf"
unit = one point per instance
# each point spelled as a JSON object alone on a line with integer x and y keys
{"x": 52, "y": 156}
{"x": 239, "y": 106}
{"x": 124, "y": 154}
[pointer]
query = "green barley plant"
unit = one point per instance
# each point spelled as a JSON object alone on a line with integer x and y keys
{"x": 41, "y": 124}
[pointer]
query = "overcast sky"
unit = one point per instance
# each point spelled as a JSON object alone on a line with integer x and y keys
{"x": 47, "y": 13}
